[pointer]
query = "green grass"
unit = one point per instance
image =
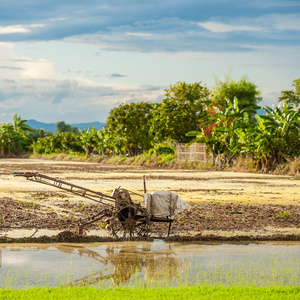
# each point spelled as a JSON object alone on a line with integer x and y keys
{"x": 199, "y": 292}
{"x": 284, "y": 215}
{"x": 31, "y": 204}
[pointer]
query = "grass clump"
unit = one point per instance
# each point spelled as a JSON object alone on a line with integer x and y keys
{"x": 284, "y": 215}
{"x": 30, "y": 204}
{"x": 199, "y": 292}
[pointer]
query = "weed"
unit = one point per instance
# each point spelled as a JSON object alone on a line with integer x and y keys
{"x": 102, "y": 224}
{"x": 71, "y": 218}
{"x": 82, "y": 207}
{"x": 31, "y": 204}
{"x": 284, "y": 215}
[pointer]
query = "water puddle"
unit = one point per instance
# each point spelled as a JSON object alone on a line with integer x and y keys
{"x": 138, "y": 264}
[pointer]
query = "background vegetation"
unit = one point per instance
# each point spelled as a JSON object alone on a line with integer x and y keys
{"x": 225, "y": 118}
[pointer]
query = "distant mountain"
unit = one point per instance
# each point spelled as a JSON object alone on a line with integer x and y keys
{"x": 51, "y": 126}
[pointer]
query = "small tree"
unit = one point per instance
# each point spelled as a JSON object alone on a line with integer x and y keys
{"x": 245, "y": 91}
{"x": 184, "y": 104}
{"x": 130, "y": 123}
{"x": 61, "y": 126}
{"x": 292, "y": 96}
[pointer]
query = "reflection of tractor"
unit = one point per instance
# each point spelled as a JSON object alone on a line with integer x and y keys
{"x": 124, "y": 261}
{"x": 119, "y": 212}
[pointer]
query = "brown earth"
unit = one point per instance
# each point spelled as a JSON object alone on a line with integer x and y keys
{"x": 223, "y": 205}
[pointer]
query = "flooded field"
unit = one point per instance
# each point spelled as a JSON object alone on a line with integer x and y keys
{"x": 138, "y": 264}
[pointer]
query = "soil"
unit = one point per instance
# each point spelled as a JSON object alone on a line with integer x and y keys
{"x": 223, "y": 206}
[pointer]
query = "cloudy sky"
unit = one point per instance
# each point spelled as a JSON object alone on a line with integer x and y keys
{"x": 75, "y": 60}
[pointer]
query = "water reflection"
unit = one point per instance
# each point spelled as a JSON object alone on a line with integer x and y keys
{"x": 138, "y": 264}
{"x": 126, "y": 260}
{"x": 117, "y": 262}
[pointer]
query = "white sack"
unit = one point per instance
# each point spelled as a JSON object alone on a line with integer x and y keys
{"x": 164, "y": 204}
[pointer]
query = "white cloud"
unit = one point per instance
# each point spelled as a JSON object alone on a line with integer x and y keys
{"x": 23, "y": 68}
{"x": 222, "y": 27}
{"x": 140, "y": 34}
{"x": 266, "y": 23}
{"x": 34, "y": 90}
{"x": 18, "y": 28}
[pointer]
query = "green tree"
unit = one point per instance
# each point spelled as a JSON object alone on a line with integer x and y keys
{"x": 39, "y": 133}
{"x": 63, "y": 142}
{"x": 184, "y": 104}
{"x": 61, "y": 126}
{"x": 292, "y": 96}
{"x": 130, "y": 124}
{"x": 245, "y": 91}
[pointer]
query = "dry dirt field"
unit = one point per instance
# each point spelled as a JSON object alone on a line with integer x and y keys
{"x": 226, "y": 204}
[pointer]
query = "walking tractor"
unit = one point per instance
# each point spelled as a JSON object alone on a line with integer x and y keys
{"x": 118, "y": 210}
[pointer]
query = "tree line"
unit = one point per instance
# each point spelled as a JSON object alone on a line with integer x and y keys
{"x": 225, "y": 118}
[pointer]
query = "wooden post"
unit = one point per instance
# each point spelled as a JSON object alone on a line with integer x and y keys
{"x": 144, "y": 181}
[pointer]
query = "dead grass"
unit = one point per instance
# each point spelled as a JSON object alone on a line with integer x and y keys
{"x": 294, "y": 166}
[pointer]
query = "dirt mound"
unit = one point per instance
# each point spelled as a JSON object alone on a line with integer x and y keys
{"x": 226, "y": 217}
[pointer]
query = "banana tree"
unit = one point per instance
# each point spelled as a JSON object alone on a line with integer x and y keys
{"x": 277, "y": 137}
{"x": 89, "y": 140}
{"x": 224, "y": 136}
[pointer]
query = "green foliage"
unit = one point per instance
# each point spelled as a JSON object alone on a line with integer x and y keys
{"x": 284, "y": 215}
{"x": 180, "y": 111}
{"x": 39, "y": 133}
{"x": 130, "y": 124}
{"x": 63, "y": 127}
{"x": 292, "y": 96}
{"x": 273, "y": 140}
{"x": 64, "y": 142}
{"x": 229, "y": 125}
{"x": 89, "y": 140}
{"x": 14, "y": 137}
{"x": 244, "y": 90}
{"x": 276, "y": 138}
{"x": 20, "y": 125}
{"x": 166, "y": 147}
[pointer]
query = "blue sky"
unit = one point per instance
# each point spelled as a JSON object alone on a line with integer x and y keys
{"x": 76, "y": 60}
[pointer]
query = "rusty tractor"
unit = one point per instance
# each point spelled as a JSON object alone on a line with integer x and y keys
{"x": 118, "y": 211}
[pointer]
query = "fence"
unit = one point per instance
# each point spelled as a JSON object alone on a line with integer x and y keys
{"x": 196, "y": 152}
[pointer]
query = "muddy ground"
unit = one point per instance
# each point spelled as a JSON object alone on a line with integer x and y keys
{"x": 224, "y": 205}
